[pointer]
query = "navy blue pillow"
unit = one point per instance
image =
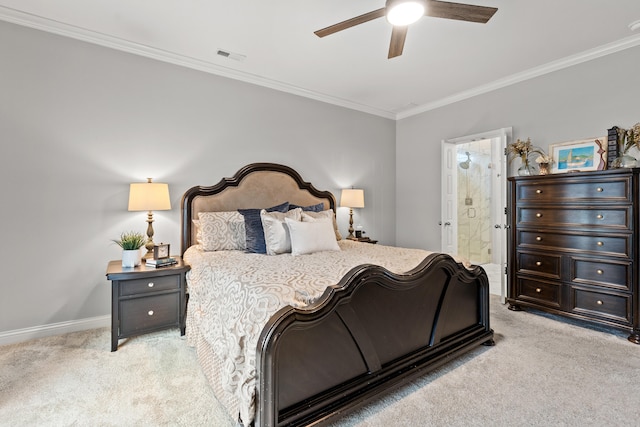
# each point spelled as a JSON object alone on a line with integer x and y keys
{"x": 313, "y": 208}
{"x": 253, "y": 227}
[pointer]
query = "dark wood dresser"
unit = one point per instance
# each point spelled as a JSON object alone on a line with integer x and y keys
{"x": 573, "y": 246}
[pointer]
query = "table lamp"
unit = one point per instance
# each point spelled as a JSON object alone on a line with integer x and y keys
{"x": 352, "y": 198}
{"x": 149, "y": 196}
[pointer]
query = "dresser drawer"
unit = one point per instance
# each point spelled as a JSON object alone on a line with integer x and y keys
{"x": 539, "y": 292}
{"x": 540, "y": 264}
{"x": 616, "y": 218}
{"x": 575, "y": 190}
{"x": 616, "y": 307}
{"x": 616, "y": 245}
{"x": 601, "y": 273}
{"x": 147, "y": 313}
{"x": 151, "y": 284}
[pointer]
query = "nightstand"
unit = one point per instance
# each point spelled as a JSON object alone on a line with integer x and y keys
{"x": 362, "y": 240}
{"x": 146, "y": 299}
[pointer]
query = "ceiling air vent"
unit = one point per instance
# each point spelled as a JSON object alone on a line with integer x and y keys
{"x": 231, "y": 55}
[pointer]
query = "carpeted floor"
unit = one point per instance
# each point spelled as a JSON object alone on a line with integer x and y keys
{"x": 542, "y": 372}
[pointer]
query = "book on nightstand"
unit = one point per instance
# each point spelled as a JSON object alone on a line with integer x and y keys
{"x": 161, "y": 262}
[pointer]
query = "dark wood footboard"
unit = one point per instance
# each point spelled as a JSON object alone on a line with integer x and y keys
{"x": 372, "y": 332}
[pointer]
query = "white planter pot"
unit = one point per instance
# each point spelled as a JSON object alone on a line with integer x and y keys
{"x": 131, "y": 258}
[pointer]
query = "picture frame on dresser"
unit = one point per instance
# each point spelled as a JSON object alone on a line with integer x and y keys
{"x": 579, "y": 156}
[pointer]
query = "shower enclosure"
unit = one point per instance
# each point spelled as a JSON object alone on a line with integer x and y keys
{"x": 475, "y": 223}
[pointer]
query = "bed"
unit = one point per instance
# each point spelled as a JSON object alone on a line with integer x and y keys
{"x": 322, "y": 332}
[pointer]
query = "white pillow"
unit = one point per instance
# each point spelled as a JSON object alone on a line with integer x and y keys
{"x": 276, "y": 234}
{"x": 219, "y": 231}
{"x": 309, "y": 237}
{"x": 308, "y": 216}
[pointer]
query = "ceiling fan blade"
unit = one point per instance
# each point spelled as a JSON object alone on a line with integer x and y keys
{"x": 459, "y": 11}
{"x": 398, "y": 35}
{"x": 350, "y": 23}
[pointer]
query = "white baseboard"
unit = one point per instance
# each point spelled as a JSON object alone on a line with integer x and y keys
{"x": 21, "y": 335}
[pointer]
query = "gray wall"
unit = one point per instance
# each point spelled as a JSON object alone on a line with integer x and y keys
{"x": 79, "y": 122}
{"x": 582, "y": 101}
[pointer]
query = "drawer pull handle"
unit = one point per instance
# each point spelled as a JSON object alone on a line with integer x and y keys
{"x": 599, "y": 271}
{"x": 599, "y": 216}
{"x": 150, "y": 313}
{"x": 538, "y": 263}
{"x": 538, "y": 239}
{"x": 538, "y": 191}
{"x": 538, "y": 290}
{"x": 151, "y": 284}
{"x": 599, "y": 190}
{"x": 538, "y": 215}
{"x": 600, "y": 243}
{"x": 599, "y": 302}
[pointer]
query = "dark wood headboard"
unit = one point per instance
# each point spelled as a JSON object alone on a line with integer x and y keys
{"x": 257, "y": 185}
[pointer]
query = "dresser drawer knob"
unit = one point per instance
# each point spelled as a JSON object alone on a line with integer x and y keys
{"x": 599, "y": 189}
{"x": 599, "y": 216}
{"x": 150, "y": 313}
{"x": 600, "y": 243}
{"x": 538, "y": 290}
{"x": 538, "y": 191}
{"x": 538, "y": 215}
{"x": 599, "y": 271}
{"x": 151, "y": 284}
{"x": 599, "y": 302}
{"x": 538, "y": 239}
{"x": 538, "y": 263}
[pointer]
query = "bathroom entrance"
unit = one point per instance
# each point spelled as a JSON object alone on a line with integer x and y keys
{"x": 474, "y": 201}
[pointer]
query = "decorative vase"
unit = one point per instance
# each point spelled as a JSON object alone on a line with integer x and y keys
{"x": 625, "y": 161}
{"x": 131, "y": 258}
{"x": 544, "y": 168}
{"x": 525, "y": 169}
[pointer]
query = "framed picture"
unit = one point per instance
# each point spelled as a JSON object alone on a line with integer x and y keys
{"x": 579, "y": 156}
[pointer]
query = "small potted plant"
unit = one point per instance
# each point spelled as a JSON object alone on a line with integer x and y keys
{"x": 131, "y": 242}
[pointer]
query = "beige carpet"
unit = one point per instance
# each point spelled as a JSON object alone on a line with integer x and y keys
{"x": 542, "y": 372}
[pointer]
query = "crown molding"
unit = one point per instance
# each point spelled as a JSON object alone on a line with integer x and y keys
{"x": 83, "y": 34}
{"x": 550, "y": 67}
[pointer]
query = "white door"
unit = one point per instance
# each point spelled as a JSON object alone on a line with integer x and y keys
{"x": 453, "y": 209}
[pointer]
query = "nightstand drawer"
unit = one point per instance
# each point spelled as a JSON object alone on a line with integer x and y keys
{"x": 147, "y": 313}
{"x": 612, "y": 306}
{"x": 150, "y": 284}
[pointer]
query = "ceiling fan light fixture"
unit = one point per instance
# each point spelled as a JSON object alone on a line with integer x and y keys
{"x": 404, "y": 12}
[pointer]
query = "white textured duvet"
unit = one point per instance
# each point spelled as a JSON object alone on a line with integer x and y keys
{"x": 232, "y": 294}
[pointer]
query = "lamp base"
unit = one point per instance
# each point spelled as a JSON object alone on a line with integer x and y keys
{"x": 351, "y": 236}
{"x": 150, "y": 243}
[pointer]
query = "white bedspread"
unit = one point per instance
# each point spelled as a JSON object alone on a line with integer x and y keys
{"x": 232, "y": 294}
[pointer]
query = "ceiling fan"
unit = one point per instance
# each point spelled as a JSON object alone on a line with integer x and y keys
{"x": 401, "y": 13}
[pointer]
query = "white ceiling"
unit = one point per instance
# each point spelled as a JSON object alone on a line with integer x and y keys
{"x": 443, "y": 60}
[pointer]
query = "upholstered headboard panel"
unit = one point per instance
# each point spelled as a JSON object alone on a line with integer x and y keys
{"x": 258, "y": 185}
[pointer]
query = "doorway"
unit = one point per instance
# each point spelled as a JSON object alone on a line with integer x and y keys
{"x": 474, "y": 202}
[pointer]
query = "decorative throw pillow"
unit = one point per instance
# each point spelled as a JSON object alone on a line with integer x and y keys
{"x": 253, "y": 227}
{"x": 312, "y": 216}
{"x": 219, "y": 231}
{"x": 310, "y": 237}
{"x": 276, "y": 233}
{"x": 312, "y": 208}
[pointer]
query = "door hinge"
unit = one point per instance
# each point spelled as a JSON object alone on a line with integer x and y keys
{"x": 505, "y": 210}
{"x": 505, "y": 151}
{"x": 505, "y": 270}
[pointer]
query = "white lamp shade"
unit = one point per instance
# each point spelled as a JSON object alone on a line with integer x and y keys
{"x": 404, "y": 12}
{"x": 352, "y": 198}
{"x": 149, "y": 196}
